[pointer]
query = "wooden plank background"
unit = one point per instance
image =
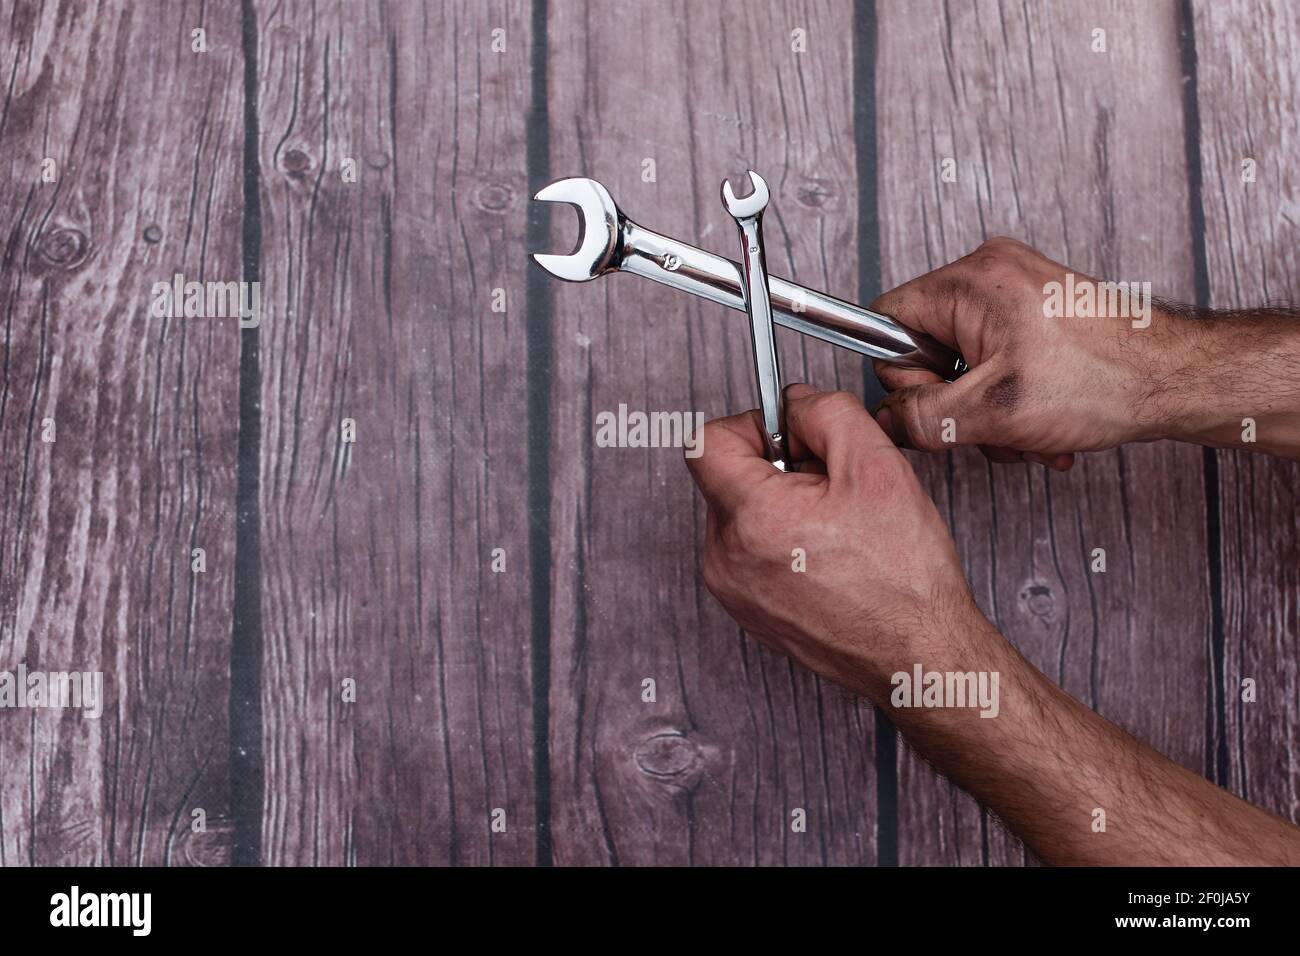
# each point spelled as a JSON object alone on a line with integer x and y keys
{"x": 496, "y": 587}
{"x": 1058, "y": 146}
{"x": 1248, "y": 110}
{"x": 737, "y": 739}
{"x": 96, "y": 528}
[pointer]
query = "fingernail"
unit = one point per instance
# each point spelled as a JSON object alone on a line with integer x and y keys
{"x": 796, "y": 390}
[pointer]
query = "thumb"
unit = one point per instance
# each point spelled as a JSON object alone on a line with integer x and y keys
{"x": 834, "y": 428}
{"x": 938, "y": 415}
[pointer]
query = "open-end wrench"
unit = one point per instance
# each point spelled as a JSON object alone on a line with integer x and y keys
{"x": 748, "y": 213}
{"x": 611, "y": 242}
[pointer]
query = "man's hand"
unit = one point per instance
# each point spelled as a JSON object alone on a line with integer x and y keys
{"x": 1041, "y": 388}
{"x": 882, "y": 587}
{"x": 846, "y": 566}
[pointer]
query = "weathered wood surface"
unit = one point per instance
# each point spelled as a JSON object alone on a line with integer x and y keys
{"x": 1080, "y": 154}
{"x": 377, "y": 554}
{"x": 1249, "y": 108}
{"x": 736, "y": 739}
{"x": 96, "y": 528}
{"x": 522, "y": 690}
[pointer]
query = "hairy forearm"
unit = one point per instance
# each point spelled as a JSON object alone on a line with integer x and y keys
{"x": 1227, "y": 379}
{"x": 1047, "y": 765}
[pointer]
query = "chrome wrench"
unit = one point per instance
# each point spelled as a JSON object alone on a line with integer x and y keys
{"x": 611, "y": 243}
{"x": 748, "y": 213}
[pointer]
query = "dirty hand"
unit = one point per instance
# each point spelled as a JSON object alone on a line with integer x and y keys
{"x": 1040, "y": 387}
{"x": 844, "y": 564}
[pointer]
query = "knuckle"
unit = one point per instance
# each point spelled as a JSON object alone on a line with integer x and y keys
{"x": 984, "y": 262}
{"x": 1006, "y": 249}
{"x": 995, "y": 259}
{"x": 884, "y": 478}
{"x": 697, "y": 450}
{"x": 748, "y": 532}
{"x": 712, "y": 429}
{"x": 886, "y": 475}
{"x": 752, "y": 535}
{"x": 835, "y": 404}
{"x": 843, "y": 401}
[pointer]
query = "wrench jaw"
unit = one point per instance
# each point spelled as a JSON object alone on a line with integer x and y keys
{"x": 746, "y": 207}
{"x": 600, "y": 222}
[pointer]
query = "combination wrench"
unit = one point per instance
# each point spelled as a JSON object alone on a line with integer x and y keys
{"x": 612, "y": 243}
{"x": 748, "y": 213}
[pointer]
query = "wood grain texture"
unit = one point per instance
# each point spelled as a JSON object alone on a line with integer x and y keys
{"x": 376, "y": 554}
{"x": 1248, "y": 61}
{"x": 1080, "y": 154}
{"x": 736, "y": 738}
{"x": 96, "y": 528}
{"x": 378, "y": 294}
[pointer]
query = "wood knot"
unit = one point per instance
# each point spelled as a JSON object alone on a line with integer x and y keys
{"x": 212, "y": 848}
{"x": 62, "y": 248}
{"x": 295, "y": 162}
{"x": 152, "y": 233}
{"x": 494, "y": 197}
{"x": 1039, "y": 599}
{"x": 815, "y": 194}
{"x": 668, "y": 756}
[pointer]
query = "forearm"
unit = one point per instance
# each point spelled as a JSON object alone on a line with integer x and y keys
{"x": 1229, "y": 379}
{"x": 1046, "y": 764}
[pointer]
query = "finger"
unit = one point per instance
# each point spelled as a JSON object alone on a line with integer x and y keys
{"x": 1009, "y": 456}
{"x": 797, "y": 390}
{"x": 894, "y": 377}
{"x": 730, "y": 459}
{"x": 1063, "y": 461}
{"x": 798, "y": 451}
{"x": 1001, "y": 455}
{"x": 835, "y": 428}
{"x": 939, "y": 415}
{"x": 927, "y": 304}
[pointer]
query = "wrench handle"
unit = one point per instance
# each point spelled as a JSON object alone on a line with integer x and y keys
{"x": 690, "y": 269}
{"x": 767, "y": 369}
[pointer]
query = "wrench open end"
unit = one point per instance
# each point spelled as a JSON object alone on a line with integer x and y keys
{"x": 750, "y": 205}
{"x": 598, "y": 218}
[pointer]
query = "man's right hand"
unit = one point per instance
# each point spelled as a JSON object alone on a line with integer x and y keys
{"x": 1042, "y": 388}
